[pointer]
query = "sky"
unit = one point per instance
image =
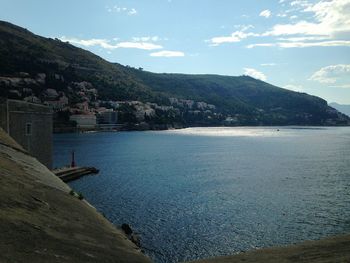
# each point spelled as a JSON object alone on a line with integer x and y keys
{"x": 302, "y": 45}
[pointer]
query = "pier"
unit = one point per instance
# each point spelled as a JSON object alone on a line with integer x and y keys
{"x": 67, "y": 174}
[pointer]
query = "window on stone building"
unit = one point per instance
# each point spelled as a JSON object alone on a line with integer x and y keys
{"x": 28, "y": 129}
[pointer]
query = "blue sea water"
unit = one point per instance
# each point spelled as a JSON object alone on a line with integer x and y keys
{"x": 204, "y": 192}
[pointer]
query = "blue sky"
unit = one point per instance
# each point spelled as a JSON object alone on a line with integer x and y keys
{"x": 302, "y": 45}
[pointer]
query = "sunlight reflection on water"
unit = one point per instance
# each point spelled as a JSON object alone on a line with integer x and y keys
{"x": 237, "y": 131}
{"x": 205, "y": 192}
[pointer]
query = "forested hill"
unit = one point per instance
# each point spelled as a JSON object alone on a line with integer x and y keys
{"x": 259, "y": 101}
{"x": 341, "y": 107}
{"x": 46, "y": 70}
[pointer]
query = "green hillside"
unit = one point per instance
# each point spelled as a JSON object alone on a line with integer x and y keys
{"x": 25, "y": 58}
{"x": 22, "y": 51}
{"x": 258, "y": 100}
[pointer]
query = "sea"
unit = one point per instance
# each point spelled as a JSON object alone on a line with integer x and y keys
{"x": 204, "y": 192}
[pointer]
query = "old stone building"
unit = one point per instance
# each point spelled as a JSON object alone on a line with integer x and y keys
{"x": 30, "y": 125}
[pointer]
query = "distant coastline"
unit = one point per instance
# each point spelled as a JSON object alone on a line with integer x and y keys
{"x": 142, "y": 127}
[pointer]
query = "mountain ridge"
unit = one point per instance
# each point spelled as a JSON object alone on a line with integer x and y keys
{"x": 31, "y": 62}
{"x": 343, "y": 108}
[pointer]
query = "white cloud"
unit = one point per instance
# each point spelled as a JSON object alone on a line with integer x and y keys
{"x": 138, "y": 45}
{"x": 268, "y": 64}
{"x": 344, "y": 86}
{"x": 299, "y": 28}
{"x": 167, "y": 53}
{"x": 327, "y": 24}
{"x": 300, "y": 3}
{"x": 301, "y": 39}
{"x": 333, "y": 43}
{"x": 236, "y": 36}
{"x": 88, "y": 42}
{"x": 118, "y": 9}
{"x": 255, "y": 74}
{"x": 106, "y": 44}
{"x": 292, "y": 87}
{"x": 261, "y": 45}
{"x": 330, "y": 17}
{"x": 281, "y": 15}
{"x": 147, "y": 38}
{"x": 332, "y": 74}
{"x": 265, "y": 13}
{"x": 132, "y": 11}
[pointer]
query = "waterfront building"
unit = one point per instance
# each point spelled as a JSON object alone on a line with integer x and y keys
{"x": 30, "y": 124}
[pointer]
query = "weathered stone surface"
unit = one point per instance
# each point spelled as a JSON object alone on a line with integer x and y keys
{"x": 16, "y": 115}
{"x": 41, "y": 222}
{"x": 329, "y": 250}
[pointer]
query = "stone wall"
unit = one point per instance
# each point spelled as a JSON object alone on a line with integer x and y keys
{"x": 3, "y": 114}
{"x": 41, "y": 221}
{"x": 31, "y": 126}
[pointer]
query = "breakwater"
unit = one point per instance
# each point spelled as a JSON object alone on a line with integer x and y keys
{"x": 67, "y": 174}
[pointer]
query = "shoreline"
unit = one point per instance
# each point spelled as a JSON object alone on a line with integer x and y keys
{"x": 76, "y": 130}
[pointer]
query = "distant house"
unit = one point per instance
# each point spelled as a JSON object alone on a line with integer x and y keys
{"x": 57, "y": 104}
{"x": 107, "y": 120}
{"x": 107, "y": 117}
{"x": 84, "y": 121}
{"x": 30, "y": 125}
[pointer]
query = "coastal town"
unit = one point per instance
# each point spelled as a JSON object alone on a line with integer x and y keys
{"x": 77, "y": 106}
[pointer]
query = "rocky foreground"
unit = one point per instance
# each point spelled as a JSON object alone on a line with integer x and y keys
{"x": 330, "y": 250}
{"x": 40, "y": 221}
